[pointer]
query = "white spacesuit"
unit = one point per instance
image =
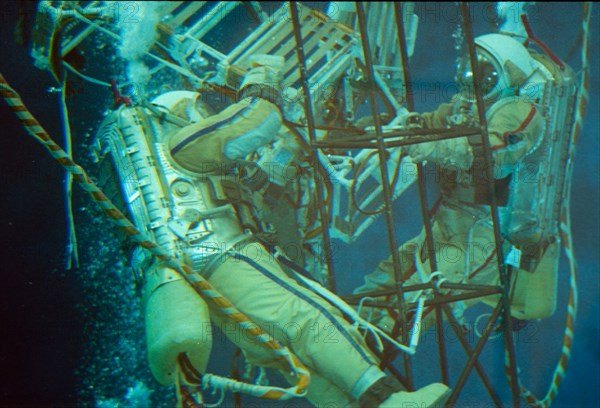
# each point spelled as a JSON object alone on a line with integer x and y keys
{"x": 195, "y": 205}
{"x": 513, "y": 82}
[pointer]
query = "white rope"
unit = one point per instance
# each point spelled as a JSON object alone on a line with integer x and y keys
{"x": 72, "y": 252}
{"x": 476, "y": 329}
{"x": 227, "y": 384}
{"x": 262, "y": 378}
{"x": 416, "y": 330}
{"x": 345, "y": 308}
{"x": 378, "y": 341}
{"x": 218, "y": 402}
{"x": 85, "y": 77}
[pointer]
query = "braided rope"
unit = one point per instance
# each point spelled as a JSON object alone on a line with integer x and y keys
{"x": 566, "y": 235}
{"x": 285, "y": 357}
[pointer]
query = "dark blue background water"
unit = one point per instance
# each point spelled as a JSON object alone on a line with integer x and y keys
{"x": 64, "y": 342}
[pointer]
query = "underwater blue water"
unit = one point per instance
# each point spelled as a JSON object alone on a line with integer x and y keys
{"x": 75, "y": 338}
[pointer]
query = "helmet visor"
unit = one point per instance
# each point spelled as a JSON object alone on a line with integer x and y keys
{"x": 488, "y": 76}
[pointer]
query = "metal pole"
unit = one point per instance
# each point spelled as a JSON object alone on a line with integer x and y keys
{"x": 310, "y": 122}
{"x": 408, "y": 96}
{"x": 387, "y": 195}
{"x": 502, "y": 269}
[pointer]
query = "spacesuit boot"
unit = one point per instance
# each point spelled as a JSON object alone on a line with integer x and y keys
{"x": 387, "y": 393}
{"x": 433, "y": 395}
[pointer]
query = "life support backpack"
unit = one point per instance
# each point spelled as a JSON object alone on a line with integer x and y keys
{"x": 537, "y": 189}
{"x": 188, "y": 214}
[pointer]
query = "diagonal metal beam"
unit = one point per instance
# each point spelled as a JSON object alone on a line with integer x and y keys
{"x": 310, "y": 122}
{"x": 502, "y": 268}
{"x": 472, "y": 361}
{"x": 465, "y": 344}
{"x": 408, "y": 95}
{"x": 387, "y": 195}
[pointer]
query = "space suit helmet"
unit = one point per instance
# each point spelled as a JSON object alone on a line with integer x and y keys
{"x": 504, "y": 66}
